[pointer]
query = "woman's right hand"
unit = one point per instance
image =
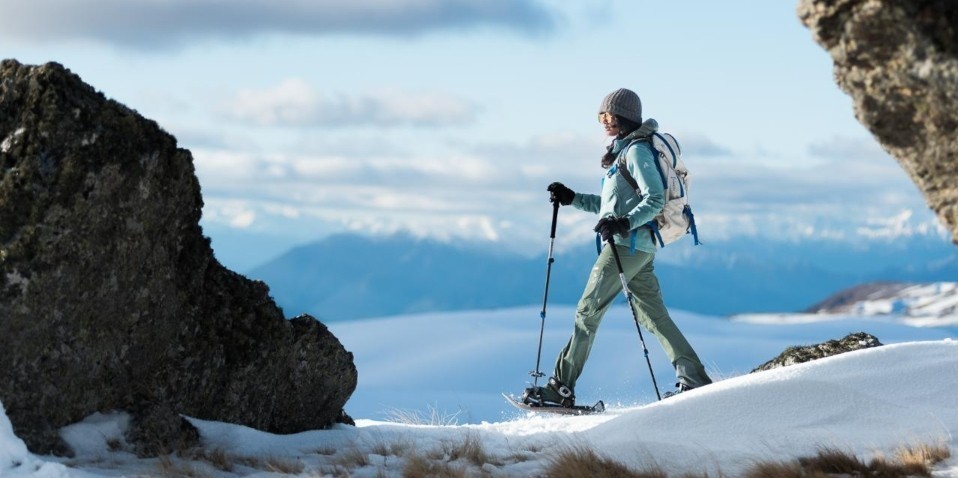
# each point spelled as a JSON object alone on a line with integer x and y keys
{"x": 561, "y": 193}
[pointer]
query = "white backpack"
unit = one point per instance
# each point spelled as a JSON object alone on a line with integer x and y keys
{"x": 676, "y": 219}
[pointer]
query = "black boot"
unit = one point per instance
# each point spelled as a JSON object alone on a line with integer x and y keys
{"x": 555, "y": 393}
{"x": 679, "y": 388}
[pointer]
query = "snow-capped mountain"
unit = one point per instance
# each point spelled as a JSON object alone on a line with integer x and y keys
{"x": 934, "y": 304}
{"x": 922, "y": 305}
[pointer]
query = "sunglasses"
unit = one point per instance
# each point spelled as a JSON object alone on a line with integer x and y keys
{"x": 607, "y": 118}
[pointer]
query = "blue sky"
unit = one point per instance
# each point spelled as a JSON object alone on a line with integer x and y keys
{"x": 448, "y": 118}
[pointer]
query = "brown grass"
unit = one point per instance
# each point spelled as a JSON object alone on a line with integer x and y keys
{"x": 324, "y": 450}
{"x": 829, "y": 462}
{"x": 470, "y": 450}
{"x": 351, "y": 459}
{"x": 178, "y": 468}
{"x": 393, "y": 448}
{"x": 912, "y": 461}
{"x": 114, "y": 444}
{"x": 927, "y": 454}
{"x": 418, "y": 466}
{"x": 578, "y": 461}
{"x": 467, "y": 456}
{"x": 289, "y": 466}
{"x": 220, "y": 459}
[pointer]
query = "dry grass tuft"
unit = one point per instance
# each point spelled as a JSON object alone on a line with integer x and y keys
{"x": 579, "y": 461}
{"x": 831, "y": 460}
{"x": 351, "y": 459}
{"x": 392, "y": 448}
{"x": 778, "y": 470}
{"x": 418, "y": 466}
{"x": 470, "y": 450}
{"x": 324, "y": 451}
{"x": 432, "y": 417}
{"x": 114, "y": 444}
{"x": 178, "y": 468}
{"x": 289, "y": 466}
{"x": 220, "y": 459}
{"x": 925, "y": 454}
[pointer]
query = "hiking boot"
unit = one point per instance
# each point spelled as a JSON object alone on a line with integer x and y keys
{"x": 679, "y": 388}
{"x": 553, "y": 394}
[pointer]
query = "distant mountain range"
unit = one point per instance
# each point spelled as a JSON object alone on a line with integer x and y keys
{"x": 930, "y": 304}
{"x": 347, "y": 277}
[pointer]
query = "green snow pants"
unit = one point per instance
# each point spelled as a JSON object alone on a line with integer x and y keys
{"x": 603, "y": 286}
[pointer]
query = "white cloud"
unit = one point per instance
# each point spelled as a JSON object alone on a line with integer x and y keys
{"x": 236, "y": 213}
{"x": 243, "y": 219}
{"x": 311, "y": 167}
{"x": 225, "y": 165}
{"x": 294, "y": 102}
{"x": 174, "y": 23}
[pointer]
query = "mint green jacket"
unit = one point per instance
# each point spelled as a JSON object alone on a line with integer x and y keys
{"x": 618, "y": 199}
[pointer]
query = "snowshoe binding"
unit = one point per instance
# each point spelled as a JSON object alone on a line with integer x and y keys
{"x": 679, "y": 388}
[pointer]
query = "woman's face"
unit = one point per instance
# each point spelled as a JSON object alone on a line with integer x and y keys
{"x": 609, "y": 123}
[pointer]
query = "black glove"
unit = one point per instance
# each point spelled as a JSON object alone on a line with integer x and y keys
{"x": 561, "y": 193}
{"x": 609, "y": 226}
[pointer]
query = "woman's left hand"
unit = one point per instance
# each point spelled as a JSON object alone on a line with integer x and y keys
{"x": 609, "y": 226}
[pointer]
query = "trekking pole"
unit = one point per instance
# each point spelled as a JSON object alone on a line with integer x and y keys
{"x": 536, "y": 374}
{"x": 635, "y": 316}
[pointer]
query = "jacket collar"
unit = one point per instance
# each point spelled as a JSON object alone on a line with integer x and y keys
{"x": 643, "y": 132}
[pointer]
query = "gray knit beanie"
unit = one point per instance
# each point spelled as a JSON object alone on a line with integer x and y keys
{"x": 624, "y": 103}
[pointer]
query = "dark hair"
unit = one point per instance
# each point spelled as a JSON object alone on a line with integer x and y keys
{"x": 626, "y": 126}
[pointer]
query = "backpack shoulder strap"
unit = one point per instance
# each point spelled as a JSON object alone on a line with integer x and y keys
{"x": 624, "y": 170}
{"x": 621, "y": 165}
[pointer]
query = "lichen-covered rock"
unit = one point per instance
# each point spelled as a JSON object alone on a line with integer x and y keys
{"x": 898, "y": 59}
{"x": 807, "y": 353}
{"x": 110, "y": 297}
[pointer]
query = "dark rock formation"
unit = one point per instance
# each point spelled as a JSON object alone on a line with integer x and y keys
{"x": 110, "y": 297}
{"x": 807, "y": 353}
{"x": 898, "y": 59}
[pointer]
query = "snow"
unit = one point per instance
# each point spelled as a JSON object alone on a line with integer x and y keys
{"x": 431, "y": 382}
{"x": 7, "y": 142}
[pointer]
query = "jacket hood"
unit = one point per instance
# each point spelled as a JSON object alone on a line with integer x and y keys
{"x": 648, "y": 127}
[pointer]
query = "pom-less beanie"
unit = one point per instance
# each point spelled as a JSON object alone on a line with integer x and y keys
{"x": 624, "y": 103}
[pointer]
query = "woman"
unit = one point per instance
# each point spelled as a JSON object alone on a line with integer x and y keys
{"x": 623, "y": 214}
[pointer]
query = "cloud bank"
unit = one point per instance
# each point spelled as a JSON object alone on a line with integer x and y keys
{"x": 496, "y": 191}
{"x": 172, "y": 23}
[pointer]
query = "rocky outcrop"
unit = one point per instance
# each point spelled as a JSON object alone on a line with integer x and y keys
{"x": 110, "y": 296}
{"x": 807, "y": 353}
{"x": 898, "y": 59}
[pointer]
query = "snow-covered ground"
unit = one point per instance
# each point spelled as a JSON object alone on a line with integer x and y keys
{"x": 446, "y": 371}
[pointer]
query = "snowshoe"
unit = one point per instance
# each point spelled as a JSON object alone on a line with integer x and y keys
{"x": 599, "y": 407}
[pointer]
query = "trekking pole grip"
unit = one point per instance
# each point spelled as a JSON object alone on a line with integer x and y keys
{"x": 555, "y": 216}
